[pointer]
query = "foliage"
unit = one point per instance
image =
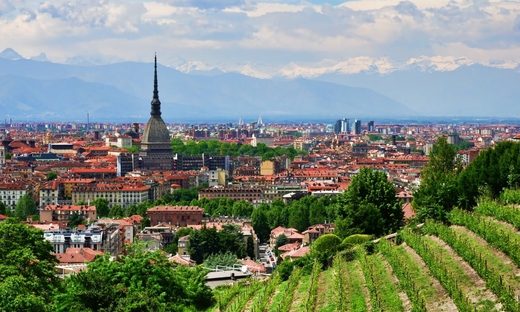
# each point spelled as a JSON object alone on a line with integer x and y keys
{"x": 209, "y": 241}
{"x": 280, "y": 241}
{"x": 242, "y": 208}
{"x": 134, "y": 149}
{"x": 250, "y": 247}
{"x": 269, "y": 288}
{"x": 227, "y": 259}
{"x": 140, "y": 281}
{"x": 491, "y": 171}
{"x": 27, "y": 274}
{"x": 325, "y": 243}
{"x": 8, "y": 156}
{"x": 116, "y": 212}
{"x": 383, "y": 294}
{"x": 215, "y": 147}
{"x": 292, "y": 283}
{"x": 439, "y": 191}
{"x": 75, "y": 219}
{"x": 412, "y": 279}
{"x": 260, "y": 223}
{"x": 51, "y": 175}
{"x": 4, "y": 209}
{"x": 15, "y": 296}
{"x": 25, "y": 207}
{"x": 370, "y": 204}
{"x": 494, "y": 233}
{"x": 354, "y": 240}
{"x": 313, "y": 289}
{"x": 441, "y": 265}
{"x": 102, "y": 208}
{"x": 500, "y": 212}
{"x": 485, "y": 263}
{"x": 374, "y": 137}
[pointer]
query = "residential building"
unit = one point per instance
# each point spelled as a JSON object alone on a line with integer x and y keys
{"x": 62, "y": 213}
{"x": 121, "y": 194}
{"x": 175, "y": 215}
{"x": 12, "y": 191}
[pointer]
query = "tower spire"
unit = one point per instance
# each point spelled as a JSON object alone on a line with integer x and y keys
{"x": 156, "y": 103}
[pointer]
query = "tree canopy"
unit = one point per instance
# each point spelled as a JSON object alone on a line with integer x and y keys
{"x": 370, "y": 205}
{"x": 25, "y": 207}
{"x": 216, "y": 147}
{"x": 27, "y": 274}
{"x": 139, "y": 281}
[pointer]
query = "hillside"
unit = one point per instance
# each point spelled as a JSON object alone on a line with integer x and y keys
{"x": 471, "y": 265}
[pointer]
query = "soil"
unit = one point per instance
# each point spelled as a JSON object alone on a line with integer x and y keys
{"x": 480, "y": 291}
{"x": 407, "y": 304}
{"x": 442, "y": 300}
{"x": 505, "y": 258}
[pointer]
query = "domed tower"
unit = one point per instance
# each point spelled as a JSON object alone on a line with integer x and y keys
{"x": 156, "y": 150}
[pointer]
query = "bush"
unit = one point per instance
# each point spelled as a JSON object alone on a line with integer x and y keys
{"x": 327, "y": 242}
{"x": 354, "y": 240}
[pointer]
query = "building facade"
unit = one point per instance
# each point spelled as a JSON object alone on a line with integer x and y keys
{"x": 175, "y": 215}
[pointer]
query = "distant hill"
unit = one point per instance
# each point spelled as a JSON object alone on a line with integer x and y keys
{"x": 32, "y": 88}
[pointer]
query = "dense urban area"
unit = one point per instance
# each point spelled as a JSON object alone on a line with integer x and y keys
{"x": 346, "y": 216}
{"x": 249, "y": 216}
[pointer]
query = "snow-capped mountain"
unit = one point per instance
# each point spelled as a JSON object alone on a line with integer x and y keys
{"x": 10, "y": 54}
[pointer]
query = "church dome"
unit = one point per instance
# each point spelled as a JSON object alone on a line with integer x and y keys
{"x": 156, "y": 131}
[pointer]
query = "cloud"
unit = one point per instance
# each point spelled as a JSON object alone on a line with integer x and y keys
{"x": 6, "y": 7}
{"x": 274, "y": 32}
{"x": 207, "y": 4}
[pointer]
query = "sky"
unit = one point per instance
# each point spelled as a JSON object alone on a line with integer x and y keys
{"x": 263, "y": 32}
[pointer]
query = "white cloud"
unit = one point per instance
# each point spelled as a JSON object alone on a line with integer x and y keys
{"x": 271, "y": 32}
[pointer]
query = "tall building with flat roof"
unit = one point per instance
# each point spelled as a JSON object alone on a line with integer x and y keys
{"x": 156, "y": 150}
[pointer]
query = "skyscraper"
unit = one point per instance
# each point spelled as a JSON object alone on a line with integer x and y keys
{"x": 156, "y": 150}
{"x": 357, "y": 126}
{"x": 370, "y": 126}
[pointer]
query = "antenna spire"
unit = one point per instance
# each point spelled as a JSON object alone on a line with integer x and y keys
{"x": 156, "y": 103}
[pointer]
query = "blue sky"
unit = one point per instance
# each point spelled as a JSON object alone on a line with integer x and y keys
{"x": 270, "y": 33}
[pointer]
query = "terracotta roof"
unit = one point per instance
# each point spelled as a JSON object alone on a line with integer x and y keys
{"x": 78, "y": 255}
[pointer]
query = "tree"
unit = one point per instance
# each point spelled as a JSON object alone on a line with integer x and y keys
{"x": 116, "y": 212}
{"x": 25, "y": 207}
{"x": 75, "y": 219}
{"x": 280, "y": 241}
{"x": 102, "y": 208}
{"x": 3, "y": 208}
{"x": 370, "y": 203}
{"x": 51, "y": 175}
{"x": 209, "y": 241}
{"x": 140, "y": 281}
{"x": 242, "y": 208}
{"x": 438, "y": 192}
{"x": 227, "y": 259}
{"x": 27, "y": 270}
{"x": 260, "y": 224}
{"x": 489, "y": 173}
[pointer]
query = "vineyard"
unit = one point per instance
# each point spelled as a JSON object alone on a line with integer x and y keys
{"x": 473, "y": 264}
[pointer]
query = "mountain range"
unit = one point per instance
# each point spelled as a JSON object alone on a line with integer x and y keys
{"x": 37, "y": 89}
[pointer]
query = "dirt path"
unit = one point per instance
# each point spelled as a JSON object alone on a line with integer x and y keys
{"x": 503, "y": 257}
{"x": 480, "y": 292}
{"x": 407, "y": 304}
{"x": 442, "y": 300}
